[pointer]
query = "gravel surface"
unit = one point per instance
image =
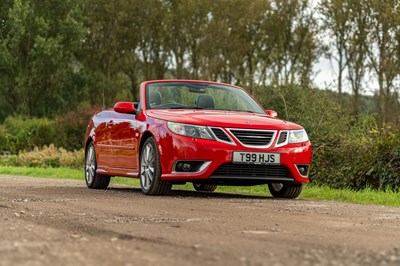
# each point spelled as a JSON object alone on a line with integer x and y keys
{"x": 61, "y": 222}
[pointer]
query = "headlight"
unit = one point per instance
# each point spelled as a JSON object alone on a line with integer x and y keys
{"x": 190, "y": 130}
{"x": 297, "y": 136}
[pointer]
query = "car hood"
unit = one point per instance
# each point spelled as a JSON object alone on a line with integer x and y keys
{"x": 217, "y": 118}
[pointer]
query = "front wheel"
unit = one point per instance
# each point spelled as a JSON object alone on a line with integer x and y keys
{"x": 94, "y": 180}
{"x": 279, "y": 190}
{"x": 150, "y": 170}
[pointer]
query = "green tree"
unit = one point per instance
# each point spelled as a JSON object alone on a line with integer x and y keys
{"x": 110, "y": 59}
{"x": 356, "y": 50}
{"x": 188, "y": 24}
{"x": 293, "y": 38}
{"x": 336, "y": 23}
{"x": 40, "y": 41}
{"x": 152, "y": 49}
{"x": 384, "y": 47}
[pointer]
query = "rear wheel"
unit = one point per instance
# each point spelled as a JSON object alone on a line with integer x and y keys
{"x": 204, "y": 187}
{"x": 150, "y": 170}
{"x": 94, "y": 180}
{"x": 279, "y": 190}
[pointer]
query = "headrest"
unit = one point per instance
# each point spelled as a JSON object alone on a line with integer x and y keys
{"x": 204, "y": 101}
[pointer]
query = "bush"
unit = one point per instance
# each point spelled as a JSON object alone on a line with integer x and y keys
{"x": 72, "y": 128}
{"x": 9, "y": 160}
{"x": 346, "y": 153}
{"x": 3, "y": 139}
{"x": 23, "y": 133}
{"x": 371, "y": 160}
{"x": 317, "y": 111}
{"x": 48, "y": 156}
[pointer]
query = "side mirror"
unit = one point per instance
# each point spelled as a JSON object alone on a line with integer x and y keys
{"x": 125, "y": 108}
{"x": 272, "y": 113}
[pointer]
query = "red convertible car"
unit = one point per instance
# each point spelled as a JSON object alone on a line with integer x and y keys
{"x": 203, "y": 132}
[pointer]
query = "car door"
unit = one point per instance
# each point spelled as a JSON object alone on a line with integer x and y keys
{"x": 102, "y": 137}
{"x": 124, "y": 141}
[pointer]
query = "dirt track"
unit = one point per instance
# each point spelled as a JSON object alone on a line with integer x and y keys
{"x": 61, "y": 222}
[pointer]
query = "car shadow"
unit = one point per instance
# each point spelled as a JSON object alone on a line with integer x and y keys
{"x": 181, "y": 193}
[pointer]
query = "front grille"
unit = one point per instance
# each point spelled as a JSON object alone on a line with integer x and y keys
{"x": 250, "y": 170}
{"x": 220, "y": 134}
{"x": 282, "y": 137}
{"x": 260, "y": 138}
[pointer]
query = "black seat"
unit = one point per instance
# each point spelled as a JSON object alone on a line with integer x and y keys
{"x": 155, "y": 98}
{"x": 204, "y": 101}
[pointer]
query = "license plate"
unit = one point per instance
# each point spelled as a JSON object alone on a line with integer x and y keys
{"x": 256, "y": 157}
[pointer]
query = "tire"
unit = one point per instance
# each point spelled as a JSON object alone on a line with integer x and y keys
{"x": 94, "y": 180}
{"x": 279, "y": 190}
{"x": 204, "y": 187}
{"x": 150, "y": 170}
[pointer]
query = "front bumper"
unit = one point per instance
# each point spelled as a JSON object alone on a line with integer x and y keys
{"x": 174, "y": 148}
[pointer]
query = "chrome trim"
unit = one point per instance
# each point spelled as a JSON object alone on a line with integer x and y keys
{"x": 308, "y": 170}
{"x": 286, "y": 141}
{"x": 256, "y": 130}
{"x": 220, "y": 140}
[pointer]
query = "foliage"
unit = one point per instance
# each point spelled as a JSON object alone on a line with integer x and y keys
{"x": 48, "y": 156}
{"x": 23, "y": 133}
{"x": 361, "y": 159}
{"x": 317, "y": 111}
{"x": 38, "y": 54}
{"x": 58, "y": 55}
{"x": 3, "y": 138}
{"x": 346, "y": 153}
{"x": 365, "y": 43}
{"x": 71, "y": 128}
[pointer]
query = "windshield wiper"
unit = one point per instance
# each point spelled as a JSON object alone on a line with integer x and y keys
{"x": 247, "y": 111}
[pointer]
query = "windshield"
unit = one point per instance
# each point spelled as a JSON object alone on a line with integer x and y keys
{"x": 187, "y": 95}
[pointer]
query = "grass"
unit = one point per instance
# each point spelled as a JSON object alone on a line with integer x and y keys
{"x": 366, "y": 196}
{"x": 60, "y": 173}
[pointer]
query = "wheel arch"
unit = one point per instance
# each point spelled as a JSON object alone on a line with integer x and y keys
{"x": 88, "y": 141}
{"x": 145, "y": 136}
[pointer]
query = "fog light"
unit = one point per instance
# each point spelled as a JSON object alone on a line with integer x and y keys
{"x": 186, "y": 167}
{"x": 303, "y": 169}
{"x": 190, "y": 166}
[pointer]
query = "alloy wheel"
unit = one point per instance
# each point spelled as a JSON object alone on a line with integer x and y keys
{"x": 90, "y": 165}
{"x": 147, "y": 166}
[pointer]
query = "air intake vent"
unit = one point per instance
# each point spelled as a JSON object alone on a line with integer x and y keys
{"x": 221, "y": 135}
{"x": 282, "y": 137}
{"x": 260, "y": 138}
{"x": 247, "y": 170}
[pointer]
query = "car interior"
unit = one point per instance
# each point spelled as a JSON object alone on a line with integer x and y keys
{"x": 204, "y": 101}
{"x": 155, "y": 98}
